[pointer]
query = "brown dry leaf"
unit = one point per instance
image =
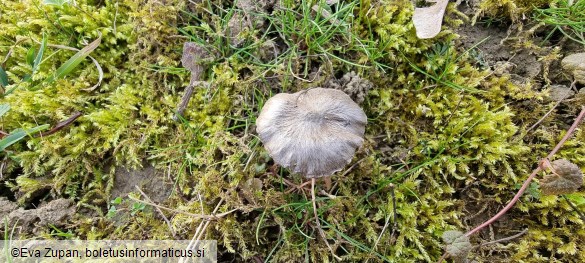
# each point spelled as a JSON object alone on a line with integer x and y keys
{"x": 428, "y": 20}
{"x": 565, "y": 179}
{"x": 194, "y": 59}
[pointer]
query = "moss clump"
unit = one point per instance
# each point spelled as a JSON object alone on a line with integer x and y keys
{"x": 515, "y": 10}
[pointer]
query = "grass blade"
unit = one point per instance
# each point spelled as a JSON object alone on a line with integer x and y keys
{"x": 74, "y": 61}
{"x": 58, "y": 3}
{"x": 3, "y": 78}
{"x": 18, "y": 134}
{"x": 3, "y": 109}
{"x": 39, "y": 57}
{"x": 30, "y": 56}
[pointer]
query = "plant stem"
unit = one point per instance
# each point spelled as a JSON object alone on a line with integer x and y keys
{"x": 61, "y": 125}
{"x": 184, "y": 102}
{"x": 320, "y": 230}
{"x": 529, "y": 179}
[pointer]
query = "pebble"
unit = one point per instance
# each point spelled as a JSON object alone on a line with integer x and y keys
{"x": 575, "y": 65}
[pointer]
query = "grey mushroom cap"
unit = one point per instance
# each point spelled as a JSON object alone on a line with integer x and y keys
{"x": 312, "y": 132}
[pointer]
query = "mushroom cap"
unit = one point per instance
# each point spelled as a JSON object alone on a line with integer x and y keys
{"x": 313, "y": 132}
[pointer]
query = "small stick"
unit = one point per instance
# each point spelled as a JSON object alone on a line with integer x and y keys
{"x": 61, "y": 125}
{"x": 199, "y": 216}
{"x": 502, "y": 239}
{"x": 184, "y": 102}
{"x": 160, "y": 211}
{"x": 317, "y": 219}
{"x": 199, "y": 232}
{"x": 443, "y": 257}
{"x": 550, "y": 111}
{"x": 542, "y": 164}
{"x": 395, "y": 223}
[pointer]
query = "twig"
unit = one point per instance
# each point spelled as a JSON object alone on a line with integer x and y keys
{"x": 352, "y": 167}
{"x": 318, "y": 221}
{"x": 551, "y": 110}
{"x": 527, "y": 182}
{"x": 502, "y": 239}
{"x": 443, "y": 257}
{"x": 3, "y": 64}
{"x": 531, "y": 176}
{"x": 395, "y": 223}
{"x": 184, "y": 102}
{"x": 391, "y": 186}
{"x": 199, "y": 232}
{"x": 200, "y": 216}
{"x": 160, "y": 211}
{"x": 61, "y": 125}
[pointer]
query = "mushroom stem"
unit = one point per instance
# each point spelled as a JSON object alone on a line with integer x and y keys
{"x": 317, "y": 218}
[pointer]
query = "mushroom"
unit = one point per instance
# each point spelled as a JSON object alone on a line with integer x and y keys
{"x": 312, "y": 132}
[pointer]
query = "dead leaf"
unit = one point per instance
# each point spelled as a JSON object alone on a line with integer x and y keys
{"x": 458, "y": 245}
{"x": 194, "y": 59}
{"x": 565, "y": 178}
{"x": 427, "y": 20}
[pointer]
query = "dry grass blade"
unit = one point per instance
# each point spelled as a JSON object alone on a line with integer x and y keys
{"x": 317, "y": 220}
{"x": 201, "y": 216}
{"x": 61, "y": 125}
{"x": 200, "y": 231}
{"x": 18, "y": 134}
{"x": 75, "y": 60}
{"x": 160, "y": 211}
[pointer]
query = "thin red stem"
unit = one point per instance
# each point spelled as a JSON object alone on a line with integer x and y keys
{"x": 509, "y": 205}
{"x": 529, "y": 179}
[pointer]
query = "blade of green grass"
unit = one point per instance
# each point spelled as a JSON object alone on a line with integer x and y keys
{"x": 39, "y": 57}
{"x": 58, "y": 3}
{"x": 355, "y": 243}
{"x": 3, "y": 109}
{"x": 30, "y": 56}
{"x": 73, "y": 62}
{"x": 3, "y": 78}
{"x": 18, "y": 134}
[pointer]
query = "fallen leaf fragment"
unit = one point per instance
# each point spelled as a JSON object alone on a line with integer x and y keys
{"x": 565, "y": 178}
{"x": 427, "y": 20}
{"x": 194, "y": 59}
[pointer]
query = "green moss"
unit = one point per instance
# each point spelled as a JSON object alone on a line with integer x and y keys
{"x": 514, "y": 10}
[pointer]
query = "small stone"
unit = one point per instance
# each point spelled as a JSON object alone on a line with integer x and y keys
{"x": 575, "y": 65}
{"x": 560, "y": 92}
{"x": 6, "y": 207}
{"x": 503, "y": 67}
